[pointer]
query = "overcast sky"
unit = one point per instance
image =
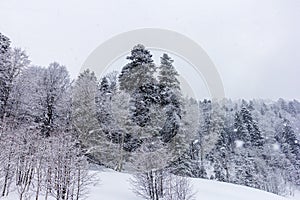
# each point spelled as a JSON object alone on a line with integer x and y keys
{"x": 255, "y": 44}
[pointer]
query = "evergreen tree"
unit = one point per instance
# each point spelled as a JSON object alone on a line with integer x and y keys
{"x": 240, "y": 131}
{"x": 141, "y": 100}
{"x": 289, "y": 144}
{"x": 288, "y": 139}
{"x": 221, "y": 155}
{"x": 137, "y": 79}
{"x": 139, "y": 71}
{"x": 104, "y": 86}
{"x": 4, "y": 62}
{"x": 4, "y": 44}
{"x": 103, "y": 106}
{"x": 206, "y": 138}
{"x": 247, "y": 129}
{"x": 167, "y": 73}
{"x": 170, "y": 96}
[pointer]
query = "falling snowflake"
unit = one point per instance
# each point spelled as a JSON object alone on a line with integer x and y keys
{"x": 235, "y": 130}
{"x": 91, "y": 131}
{"x": 296, "y": 141}
{"x": 276, "y": 147}
{"x": 239, "y": 143}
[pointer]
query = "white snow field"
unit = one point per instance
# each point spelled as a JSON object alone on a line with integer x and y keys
{"x": 116, "y": 186}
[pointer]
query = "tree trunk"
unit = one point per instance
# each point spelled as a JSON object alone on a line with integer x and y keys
{"x": 6, "y": 175}
{"x": 120, "y": 162}
{"x": 78, "y": 184}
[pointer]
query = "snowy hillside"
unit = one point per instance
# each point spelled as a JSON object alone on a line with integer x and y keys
{"x": 115, "y": 186}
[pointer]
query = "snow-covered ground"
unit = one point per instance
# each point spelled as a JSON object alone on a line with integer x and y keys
{"x": 116, "y": 186}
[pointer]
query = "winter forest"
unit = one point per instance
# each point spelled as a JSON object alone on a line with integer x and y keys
{"x": 54, "y": 129}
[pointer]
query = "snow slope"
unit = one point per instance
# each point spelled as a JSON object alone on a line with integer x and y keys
{"x": 116, "y": 186}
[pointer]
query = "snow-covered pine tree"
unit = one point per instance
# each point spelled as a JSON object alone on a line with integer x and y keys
{"x": 240, "y": 131}
{"x": 290, "y": 146}
{"x": 137, "y": 79}
{"x": 185, "y": 144}
{"x": 4, "y": 82}
{"x": 103, "y": 104}
{"x": 206, "y": 139}
{"x": 139, "y": 71}
{"x": 287, "y": 139}
{"x": 4, "y": 44}
{"x": 221, "y": 154}
{"x": 167, "y": 73}
{"x": 170, "y": 97}
{"x": 248, "y": 157}
{"x": 142, "y": 99}
{"x": 247, "y": 129}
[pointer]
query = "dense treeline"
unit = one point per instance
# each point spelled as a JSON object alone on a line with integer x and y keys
{"x": 252, "y": 143}
{"x": 138, "y": 121}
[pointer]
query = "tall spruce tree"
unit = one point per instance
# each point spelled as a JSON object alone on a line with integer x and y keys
{"x": 138, "y": 71}
{"x": 290, "y": 146}
{"x": 247, "y": 129}
{"x": 167, "y": 73}
{"x": 137, "y": 79}
{"x": 4, "y": 63}
{"x": 170, "y": 96}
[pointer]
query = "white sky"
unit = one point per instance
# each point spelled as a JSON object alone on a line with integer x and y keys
{"x": 254, "y": 44}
